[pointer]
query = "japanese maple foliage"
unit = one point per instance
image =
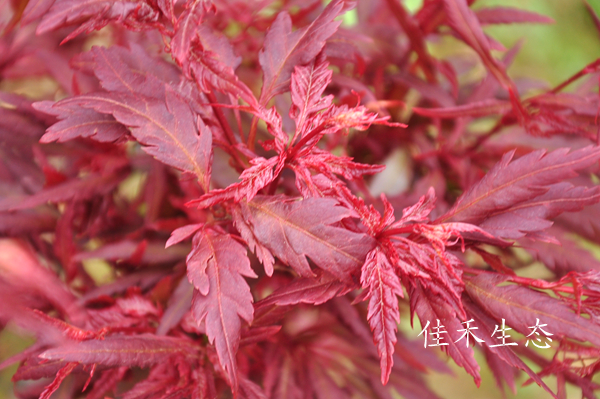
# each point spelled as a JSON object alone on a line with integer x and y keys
{"x": 218, "y": 159}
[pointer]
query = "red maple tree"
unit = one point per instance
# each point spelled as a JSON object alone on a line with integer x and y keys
{"x": 252, "y": 259}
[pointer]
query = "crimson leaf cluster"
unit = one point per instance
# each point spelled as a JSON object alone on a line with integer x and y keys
{"x": 215, "y": 158}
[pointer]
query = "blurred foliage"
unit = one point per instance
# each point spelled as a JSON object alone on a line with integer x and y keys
{"x": 549, "y": 52}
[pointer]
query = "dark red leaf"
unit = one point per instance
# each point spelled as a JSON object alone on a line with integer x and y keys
{"x": 313, "y": 290}
{"x": 209, "y": 73}
{"x": 415, "y": 35}
{"x": 144, "y": 252}
{"x": 35, "y": 368}
{"x": 76, "y": 121}
{"x": 216, "y": 267}
{"x": 502, "y": 374}
{"x": 123, "y": 351}
{"x": 118, "y": 69}
{"x": 383, "y": 288}
{"x": 107, "y": 382}
{"x": 251, "y": 390}
{"x": 535, "y": 214}
{"x": 17, "y": 264}
{"x": 182, "y": 234}
{"x": 464, "y": 21}
{"x": 94, "y": 14}
{"x": 19, "y": 223}
{"x": 262, "y": 253}
{"x": 218, "y": 45}
{"x": 509, "y": 184}
{"x": 564, "y": 258}
{"x": 257, "y": 334}
{"x": 179, "y": 304}
{"x": 324, "y": 384}
{"x": 91, "y": 185}
{"x": 521, "y": 306}
{"x": 128, "y": 70}
{"x": 167, "y": 128}
{"x": 473, "y": 110}
{"x": 187, "y": 27}
{"x": 293, "y": 230}
{"x": 60, "y": 376}
{"x": 35, "y": 9}
{"x": 284, "y": 49}
{"x": 427, "y": 90}
{"x": 584, "y": 223}
{"x": 510, "y": 15}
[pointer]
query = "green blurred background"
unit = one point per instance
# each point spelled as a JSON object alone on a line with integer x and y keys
{"x": 550, "y": 52}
